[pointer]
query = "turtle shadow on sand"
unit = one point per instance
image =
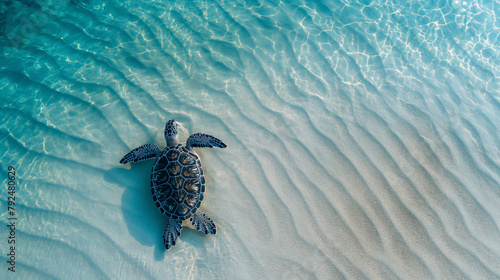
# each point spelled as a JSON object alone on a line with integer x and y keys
{"x": 144, "y": 222}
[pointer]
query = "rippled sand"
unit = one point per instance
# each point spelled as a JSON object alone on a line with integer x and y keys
{"x": 362, "y": 138}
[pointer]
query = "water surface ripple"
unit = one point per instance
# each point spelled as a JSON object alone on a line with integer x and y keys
{"x": 363, "y": 137}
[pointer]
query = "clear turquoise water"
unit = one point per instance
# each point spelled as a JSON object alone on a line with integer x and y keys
{"x": 363, "y": 137}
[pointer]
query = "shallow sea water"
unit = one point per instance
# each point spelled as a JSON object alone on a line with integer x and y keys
{"x": 362, "y": 137}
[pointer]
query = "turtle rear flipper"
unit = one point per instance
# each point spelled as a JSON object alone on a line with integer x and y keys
{"x": 172, "y": 232}
{"x": 200, "y": 140}
{"x": 144, "y": 152}
{"x": 203, "y": 223}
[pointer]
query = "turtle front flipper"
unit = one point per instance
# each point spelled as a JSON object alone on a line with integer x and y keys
{"x": 172, "y": 232}
{"x": 144, "y": 152}
{"x": 200, "y": 140}
{"x": 203, "y": 223}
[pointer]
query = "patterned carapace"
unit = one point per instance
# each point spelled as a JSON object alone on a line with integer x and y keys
{"x": 177, "y": 182}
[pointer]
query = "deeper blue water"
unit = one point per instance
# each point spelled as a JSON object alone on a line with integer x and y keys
{"x": 363, "y": 137}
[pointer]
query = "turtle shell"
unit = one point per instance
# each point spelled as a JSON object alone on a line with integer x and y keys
{"x": 177, "y": 182}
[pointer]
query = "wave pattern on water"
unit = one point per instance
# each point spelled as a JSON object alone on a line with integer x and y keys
{"x": 362, "y": 136}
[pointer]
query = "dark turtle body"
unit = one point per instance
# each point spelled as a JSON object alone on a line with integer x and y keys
{"x": 177, "y": 182}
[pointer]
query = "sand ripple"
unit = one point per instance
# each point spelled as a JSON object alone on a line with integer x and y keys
{"x": 362, "y": 138}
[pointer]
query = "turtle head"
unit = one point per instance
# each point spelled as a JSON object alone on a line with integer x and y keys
{"x": 171, "y": 133}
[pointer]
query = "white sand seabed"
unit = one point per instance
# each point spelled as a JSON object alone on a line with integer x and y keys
{"x": 362, "y": 138}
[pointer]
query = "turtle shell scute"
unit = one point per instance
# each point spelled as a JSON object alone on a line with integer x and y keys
{"x": 186, "y": 159}
{"x": 192, "y": 186}
{"x": 161, "y": 177}
{"x": 191, "y": 200}
{"x": 172, "y": 155}
{"x": 195, "y": 156}
{"x": 169, "y": 205}
{"x": 182, "y": 210}
{"x": 162, "y": 161}
{"x": 179, "y": 196}
{"x": 191, "y": 171}
{"x": 173, "y": 168}
{"x": 163, "y": 192}
{"x": 176, "y": 182}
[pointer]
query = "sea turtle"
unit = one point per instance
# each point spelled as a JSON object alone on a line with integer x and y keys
{"x": 177, "y": 181}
